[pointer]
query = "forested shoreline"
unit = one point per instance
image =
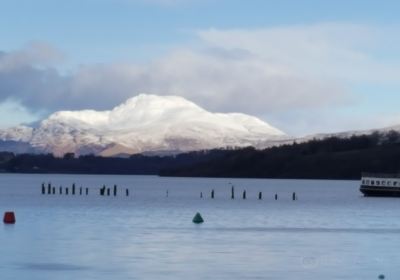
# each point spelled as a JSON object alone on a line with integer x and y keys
{"x": 329, "y": 158}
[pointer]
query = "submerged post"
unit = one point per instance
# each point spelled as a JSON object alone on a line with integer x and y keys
{"x": 80, "y": 191}
{"x": 66, "y": 191}
{"x": 294, "y": 196}
{"x": 54, "y": 190}
{"x": 276, "y": 196}
{"x": 60, "y": 190}
{"x": 127, "y": 192}
{"x": 108, "y": 191}
{"x": 115, "y": 190}
{"x": 232, "y": 192}
{"x": 212, "y": 194}
{"x": 244, "y": 194}
{"x": 201, "y": 194}
{"x": 260, "y": 196}
{"x": 73, "y": 189}
{"x": 43, "y": 189}
{"x": 87, "y": 191}
{"x": 167, "y": 193}
{"x": 49, "y": 188}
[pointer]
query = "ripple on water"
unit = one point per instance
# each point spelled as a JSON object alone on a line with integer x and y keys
{"x": 51, "y": 266}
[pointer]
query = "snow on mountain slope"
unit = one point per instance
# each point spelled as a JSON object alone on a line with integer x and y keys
{"x": 143, "y": 123}
{"x": 18, "y": 134}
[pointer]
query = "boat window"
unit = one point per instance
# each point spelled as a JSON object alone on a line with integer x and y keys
{"x": 363, "y": 182}
{"x": 388, "y": 183}
{"x": 372, "y": 182}
{"x": 367, "y": 182}
{"x": 394, "y": 183}
{"x": 383, "y": 183}
{"x": 378, "y": 183}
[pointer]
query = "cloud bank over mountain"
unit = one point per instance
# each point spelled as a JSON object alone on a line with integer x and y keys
{"x": 297, "y": 71}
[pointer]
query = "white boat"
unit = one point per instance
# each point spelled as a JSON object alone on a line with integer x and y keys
{"x": 380, "y": 184}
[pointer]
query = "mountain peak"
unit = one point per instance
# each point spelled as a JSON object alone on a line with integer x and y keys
{"x": 146, "y": 108}
{"x": 144, "y": 100}
{"x": 146, "y": 123}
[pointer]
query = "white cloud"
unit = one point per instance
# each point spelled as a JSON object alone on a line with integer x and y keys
{"x": 34, "y": 54}
{"x": 336, "y": 50}
{"x": 221, "y": 80}
{"x": 228, "y": 81}
{"x": 265, "y": 72}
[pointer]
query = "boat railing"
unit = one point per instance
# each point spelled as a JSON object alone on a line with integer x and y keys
{"x": 380, "y": 175}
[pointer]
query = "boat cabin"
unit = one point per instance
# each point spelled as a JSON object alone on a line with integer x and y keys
{"x": 380, "y": 184}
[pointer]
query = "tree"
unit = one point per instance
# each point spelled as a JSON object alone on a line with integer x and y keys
{"x": 69, "y": 156}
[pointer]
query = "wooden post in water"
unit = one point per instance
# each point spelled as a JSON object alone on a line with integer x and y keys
{"x": 294, "y": 196}
{"x": 80, "y": 191}
{"x": 244, "y": 194}
{"x": 108, "y": 191}
{"x": 232, "y": 192}
{"x": 201, "y": 194}
{"x": 43, "y": 189}
{"x": 73, "y": 189}
{"x": 212, "y": 194}
{"x": 115, "y": 190}
{"x": 127, "y": 192}
{"x": 60, "y": 190}
{"x": 87, "y": 191}
{"x": 276, "y": 196}
{"x": 103, "y": 190}
{"x": 66, "y": 191}
{"x": 49, "y": 188}
{"x": 260, "y": 196}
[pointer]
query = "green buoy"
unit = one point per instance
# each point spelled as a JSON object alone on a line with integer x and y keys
{"x": 198, "y": 219}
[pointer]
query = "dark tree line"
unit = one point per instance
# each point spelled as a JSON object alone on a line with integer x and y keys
{"x": 90, "y": 164}
{"x": 330, "y": 158}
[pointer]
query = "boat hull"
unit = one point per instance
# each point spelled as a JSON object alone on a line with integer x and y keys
{"x": 380, "y": 191}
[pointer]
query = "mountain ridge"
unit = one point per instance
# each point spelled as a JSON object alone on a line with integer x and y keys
{"x": 144, "y": 123}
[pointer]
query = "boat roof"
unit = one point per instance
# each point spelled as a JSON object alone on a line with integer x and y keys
{"x": 381, "y": 175}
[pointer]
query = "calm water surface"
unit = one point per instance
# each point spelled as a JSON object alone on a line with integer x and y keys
{"x": 330, "y": 232}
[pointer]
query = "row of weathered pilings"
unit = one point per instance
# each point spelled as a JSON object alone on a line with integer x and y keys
{"x": 244, "y": 195}
{"x": 104, "y": 191}
{"x": 75, "y": 191}
{"x": 107, "y": 191}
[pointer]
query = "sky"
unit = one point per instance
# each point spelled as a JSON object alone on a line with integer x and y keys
{"x": 303, "y": 66}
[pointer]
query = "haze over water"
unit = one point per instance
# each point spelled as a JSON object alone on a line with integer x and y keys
{"x": 330, "y": 232}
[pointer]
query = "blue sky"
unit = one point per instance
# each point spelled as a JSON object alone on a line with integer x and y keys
{"x": 303, "y": 66}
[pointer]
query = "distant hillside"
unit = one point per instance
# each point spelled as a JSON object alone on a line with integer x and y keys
{"x": 330, "y": 158}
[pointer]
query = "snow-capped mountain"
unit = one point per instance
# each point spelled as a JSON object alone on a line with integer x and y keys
{"x": 145, "y": 123}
